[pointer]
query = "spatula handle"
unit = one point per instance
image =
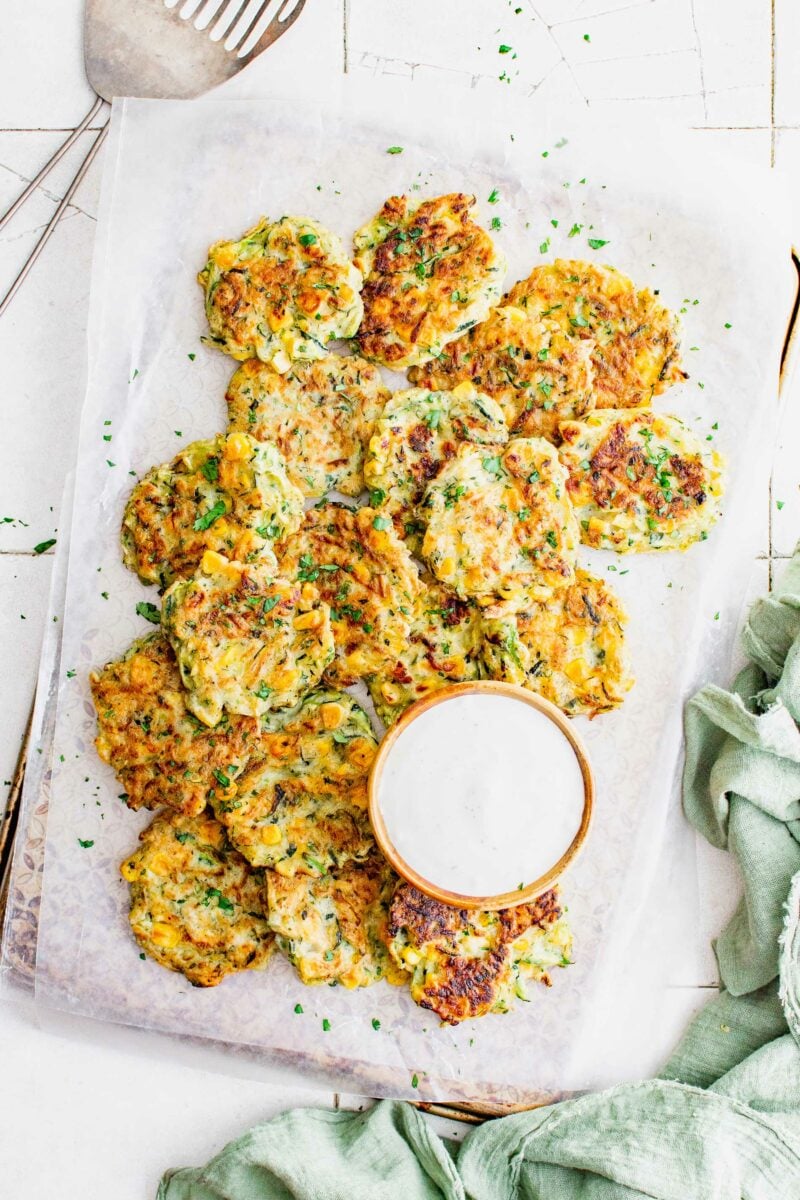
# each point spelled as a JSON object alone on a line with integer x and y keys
{"x": 48, "y": 232}
{"x": 48, "y": 166}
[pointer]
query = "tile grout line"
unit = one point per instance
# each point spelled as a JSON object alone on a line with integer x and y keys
{"x": 772, "y": 137}
{"x": 345, "y": 47}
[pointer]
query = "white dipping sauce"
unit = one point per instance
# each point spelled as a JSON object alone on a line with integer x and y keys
{"x": 481, "y": 793}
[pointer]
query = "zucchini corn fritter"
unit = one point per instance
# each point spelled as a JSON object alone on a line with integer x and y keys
{"x": 538, "y": 374}
{"x": 320, "y": 415}
{"x": 417, "y": 433}
{"x": 245, "y": 640}
{"x": 442, "y": 648}
{"x": 365, "y": 573}
{"x": 635, "y": 349}
{"x": 161, "y": 753}
{"x": 499, "y": 521}
{"x": 569, "y": 648}
{"x": 229, "y": 494}
{"x": 333, "y": 929}
{"x": 301, "y": 806}
{"x": 640, "y": 481}
{"x": 196, "y": 905}
{"x": 430, "y": 274}
{"x": 466, "y": 963}
{"x": 281, "y": 293}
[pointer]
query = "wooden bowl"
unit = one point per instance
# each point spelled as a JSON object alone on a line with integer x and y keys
{"x": 507, "y": 899}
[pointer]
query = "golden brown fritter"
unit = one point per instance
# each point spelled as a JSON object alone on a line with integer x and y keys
{"x": 333, "y": 929}
{"x": 161, "y": 753}
{"x": 569, "y": 648}
{"x": 365, "y": 573}
{"x": 635, "y": 339}
{"x": 245, "y": 640}
{"x": 417, "y": 433}
{"x": 466, "y": 963}
{"x": 640, "y": 481}
{"x": 229, "y": 494}
{"x": 281, "y": 293}
{"x": 430, "y": 274}
{"x": 302, "y": 804}
{"x": 441, "y": 649}
{"x": 196, "y": 905}
{"x": 537, "y": 374}
{"x": 320, "y": 415}
{"x": 499, "y": 521}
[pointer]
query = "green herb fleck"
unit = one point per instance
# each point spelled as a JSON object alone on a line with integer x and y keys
{"x": 86, "y": 845}
{"x": 207, "y": 519}
{"x": 381, "y": 523}
{"x": 42, "y": 546}
{"x": 394, "y": 150}
{"x": 494, "y": 196}
{"x": 149, "y": 611}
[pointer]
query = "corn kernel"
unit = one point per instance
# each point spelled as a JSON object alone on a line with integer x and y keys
{"x": 237, "y": 447}
{"x": 308, "y": 593}
{"x": 447, "y": 566}
{"x": 129, "y": 870}
{"x": 332, "y": 715}
{"x": 309, "y": 620}
{"x": 361, "y": 572}
{"x": 270, "y": 835}
{"x": 213, "y": 563}
{"x": 164, "y": 935}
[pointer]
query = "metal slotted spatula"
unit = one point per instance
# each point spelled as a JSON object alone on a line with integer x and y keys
{"x": 169, "y": 49}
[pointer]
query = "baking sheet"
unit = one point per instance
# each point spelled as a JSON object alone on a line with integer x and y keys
{"x": 179, "y": 176}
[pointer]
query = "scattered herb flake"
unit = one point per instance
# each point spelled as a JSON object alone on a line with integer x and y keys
{"x": 394, "y": 150}
{"x": 85, "y": 845}
{"x": 149, "y": 611}
{"x": 207, "y": 519}
{"x": 493, "y": 196}
{"x": 325, "y": 1024}
{"x": 40, "y": 547}
{"x": 298, "y": 1008}
{"x": 597, "y": 243}
{"x": 415, "y": 1081}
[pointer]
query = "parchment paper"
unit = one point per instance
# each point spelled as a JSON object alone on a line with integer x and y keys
{"x": 181, "y": 175}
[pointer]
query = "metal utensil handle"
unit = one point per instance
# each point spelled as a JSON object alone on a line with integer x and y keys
{"x": 48, "y": 166}
{"x": 56, "y": 217}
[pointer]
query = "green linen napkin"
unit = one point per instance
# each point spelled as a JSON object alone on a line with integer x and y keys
{"x": 722, "y": 1122}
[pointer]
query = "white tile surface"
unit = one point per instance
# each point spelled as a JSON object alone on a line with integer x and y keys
{"x": 692, "y": 61}
{"x": 787, "y": 75}
{"x": 80, "y": 1122}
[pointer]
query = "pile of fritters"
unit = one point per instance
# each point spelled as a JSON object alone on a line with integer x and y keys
{"x": 527, "y": 431}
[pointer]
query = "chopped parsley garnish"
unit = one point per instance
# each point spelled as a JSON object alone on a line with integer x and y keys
{"x": 503, "y": 49}
{"x": 415, "y": 1081}
{"x": 376, "y": 1023}
{"x": 394, "y": 150}
{"x": 298, "y": 1008}
{"x": 191, "y": 357}
{"x": 86, "y": 845}
{"x": 550, "y": 538}
{"x": 40, "y": 547}
{"x": 496, "y": 223}
{"x": 210, "y": 469}
{"x": 222, "y": 901}
{"x": 262, "y": 691}
{"x": 596, "y": 243}
{"x": 376, "y": 497}
{"x": 493, "y": 196}
{"x": 325, "y": 1024}
{"x": 149, "y": 611}
{"x": 307, "y": 239}
{"x": 575, "y": 230}
{"x": 221, "y": 777}
{"x": 207, "y": 519}
{"x": 544, "y": 246}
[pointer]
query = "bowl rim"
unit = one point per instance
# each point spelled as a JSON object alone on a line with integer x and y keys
{"x": 537, "y": 886}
